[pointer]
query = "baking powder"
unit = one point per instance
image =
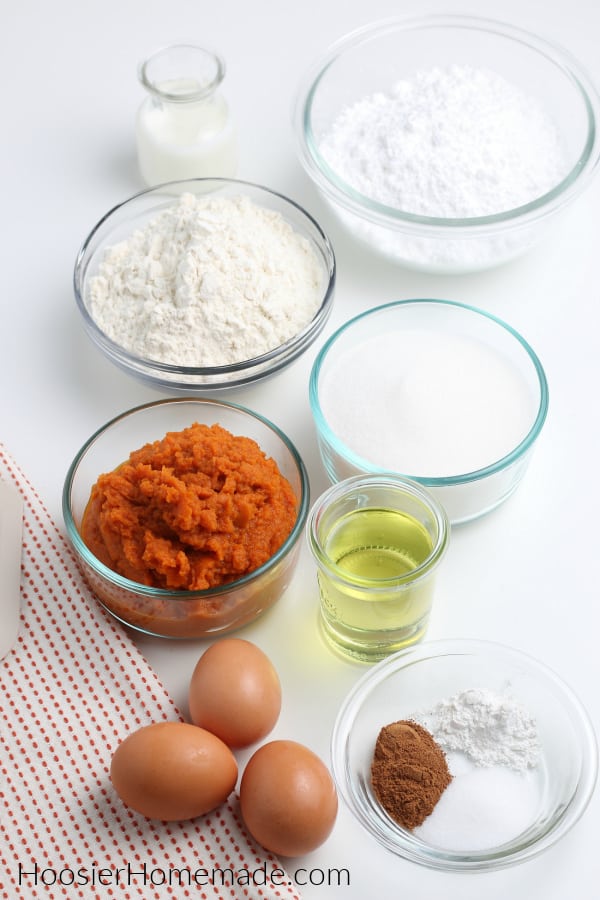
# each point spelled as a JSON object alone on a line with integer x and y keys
{"x": 447, "y": 142}
{"x": 208, "y": 282}
{"x": 491, "y": 729}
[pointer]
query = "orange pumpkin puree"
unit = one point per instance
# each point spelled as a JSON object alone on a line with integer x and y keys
{"x": 199, "y": 508}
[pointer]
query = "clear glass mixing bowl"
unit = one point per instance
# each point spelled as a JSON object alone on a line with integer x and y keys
{"x": 376, "y": 56}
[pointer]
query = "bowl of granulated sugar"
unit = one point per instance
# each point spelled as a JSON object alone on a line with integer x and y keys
{"x": 437, "y": 391}
{"x": 204, "y": 284}
{"x": 447, "y": 143}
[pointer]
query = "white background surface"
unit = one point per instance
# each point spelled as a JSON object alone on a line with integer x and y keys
{"x": 527, "y": 575}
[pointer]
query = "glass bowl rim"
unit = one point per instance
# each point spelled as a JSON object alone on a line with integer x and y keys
{"x": 277, "y": 356}
{"x": 507, "y": 854}
{"x": 339, "y": 191}
{"x": 162, "y": 593}
{"x": 428, "y": 481}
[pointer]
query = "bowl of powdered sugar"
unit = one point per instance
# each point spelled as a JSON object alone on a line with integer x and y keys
{"x": 447, "y": 143}
{"x": 205, "y": 284}
{"x": 464, "y": 755}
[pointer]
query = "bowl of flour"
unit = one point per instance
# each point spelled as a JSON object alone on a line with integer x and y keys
{"x": 205, "y": 284}
{"x": 447, "y": 144}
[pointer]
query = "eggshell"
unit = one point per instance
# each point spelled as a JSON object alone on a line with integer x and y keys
{"x": 173, "y": 771}
{"x": 235, "y": 692}
{"x": 288, "y": 798}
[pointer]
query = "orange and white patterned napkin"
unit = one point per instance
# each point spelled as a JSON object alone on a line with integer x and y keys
{"x": 73, "y": 686}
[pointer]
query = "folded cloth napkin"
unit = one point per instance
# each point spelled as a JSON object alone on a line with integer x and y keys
{"x": 71, "y": 689}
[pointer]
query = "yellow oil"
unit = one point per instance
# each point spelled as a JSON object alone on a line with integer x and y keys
{"x": 371, "y": 607}
{"x": 378, "y": 543}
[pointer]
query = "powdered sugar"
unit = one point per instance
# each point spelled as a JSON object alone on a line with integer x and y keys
{"x": 209, "y": 281}
{"x": 491, "y": 729}
{"x": 454, "y": 142}
{"x": 451, "y": 142}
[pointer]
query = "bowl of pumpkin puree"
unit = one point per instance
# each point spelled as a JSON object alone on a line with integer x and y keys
{"x": 185, "y": 515}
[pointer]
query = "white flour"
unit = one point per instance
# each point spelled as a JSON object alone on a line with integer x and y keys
{"x": 491, "y": 729}
{"x": 453, "y": 142}
{"x": 210, "y": 281}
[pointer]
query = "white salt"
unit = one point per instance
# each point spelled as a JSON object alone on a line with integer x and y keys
{"x": 426, "y": 404}
{"x": 481, "y": 808}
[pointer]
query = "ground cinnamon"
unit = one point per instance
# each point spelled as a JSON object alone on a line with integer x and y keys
{"x": 409, "y": 772}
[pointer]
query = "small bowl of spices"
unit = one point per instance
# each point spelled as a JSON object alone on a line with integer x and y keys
{"x": 447, "y": 143}
{"x": 185, "y": 514}
{"x": 436, "y": 391}
{"x": 464, "y": 755}
{"x": 204, "y": 284}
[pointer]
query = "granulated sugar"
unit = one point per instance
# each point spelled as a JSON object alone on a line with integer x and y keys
{"x": 454, "y": 142}
{"x": 431, "y": 404}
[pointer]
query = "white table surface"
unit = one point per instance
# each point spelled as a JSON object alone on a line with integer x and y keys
{"x": 527, "y": 575}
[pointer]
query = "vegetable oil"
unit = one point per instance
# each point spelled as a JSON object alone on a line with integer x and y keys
{"x": 376, "y": 544}
{"x": 376, "y": 596}
{"x": 377, "y": 541}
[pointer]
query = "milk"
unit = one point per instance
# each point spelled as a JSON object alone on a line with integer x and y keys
{"x": 179, "y": 139}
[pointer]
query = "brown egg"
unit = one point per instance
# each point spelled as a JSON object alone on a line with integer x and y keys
{"x": 287, "y": 798}
{"x": 235, "y": 692}
{"x": 173, "y": 771}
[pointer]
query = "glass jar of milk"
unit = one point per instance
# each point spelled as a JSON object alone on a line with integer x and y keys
{"x": 183, "y": 127}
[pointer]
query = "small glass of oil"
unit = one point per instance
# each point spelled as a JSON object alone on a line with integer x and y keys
{"x": 377, "y": 541}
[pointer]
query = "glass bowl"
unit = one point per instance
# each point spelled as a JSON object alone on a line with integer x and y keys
{"x": 118, "y": 225}
{"x": 373, "y": 59}
{"x": 414, "y": 680}
{"x": 416, "y": 385}
{"x": 172, "y": 613}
